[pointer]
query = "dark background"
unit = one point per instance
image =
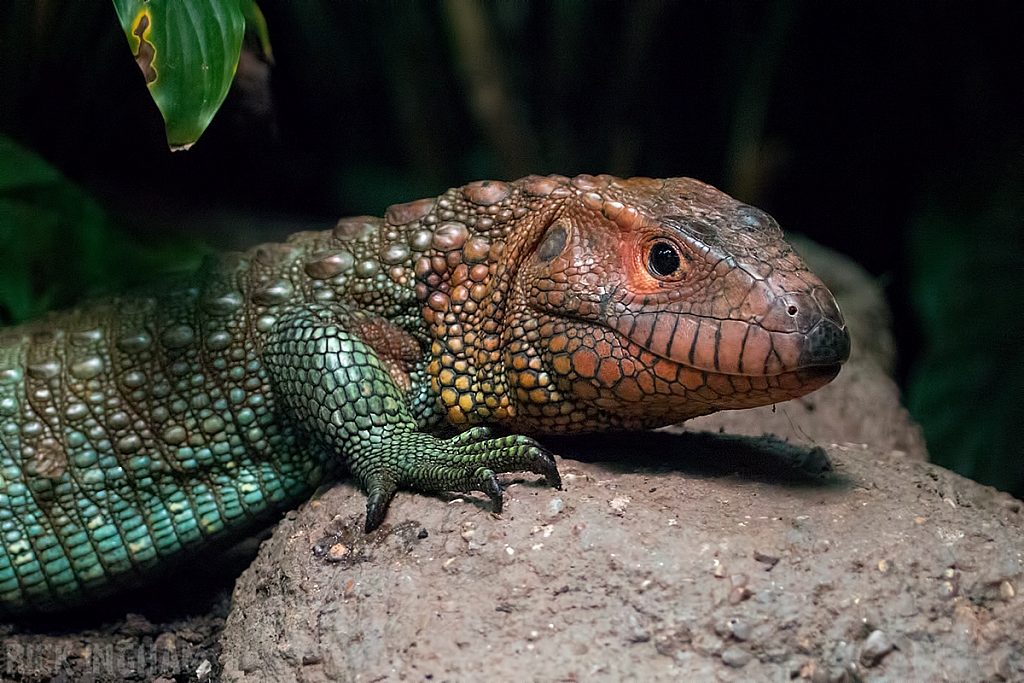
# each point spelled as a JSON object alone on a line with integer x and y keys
{"x": 891, "y": 132}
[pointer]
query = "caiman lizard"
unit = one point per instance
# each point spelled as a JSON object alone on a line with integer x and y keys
{"x": 135, "y": 431}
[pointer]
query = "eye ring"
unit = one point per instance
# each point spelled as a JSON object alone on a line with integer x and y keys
{"x": 663, "y": 259}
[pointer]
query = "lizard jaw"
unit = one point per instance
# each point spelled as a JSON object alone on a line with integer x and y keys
{"x": 736, "y": 347}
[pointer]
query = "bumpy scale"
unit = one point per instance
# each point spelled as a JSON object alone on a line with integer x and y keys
{"x": 135, "y": 431}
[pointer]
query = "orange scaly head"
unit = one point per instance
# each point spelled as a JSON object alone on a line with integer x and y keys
{"x": 647, "y": 302}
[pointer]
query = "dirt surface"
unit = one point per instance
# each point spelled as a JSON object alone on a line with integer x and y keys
{"x": 668, "y": 556}
{"x": 144, "y": 637}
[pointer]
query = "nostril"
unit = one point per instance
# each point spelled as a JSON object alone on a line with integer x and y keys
{"x": 791, "y": 312}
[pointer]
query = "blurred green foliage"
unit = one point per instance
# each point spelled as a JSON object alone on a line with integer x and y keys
{"x": 52, "y": 236}
{"x": 56, "y": 245}
{"x": 967, "y": 387}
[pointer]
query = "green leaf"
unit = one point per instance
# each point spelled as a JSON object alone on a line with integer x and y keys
{"x": 188, "y": 52}
{"x": 255, "y": 20}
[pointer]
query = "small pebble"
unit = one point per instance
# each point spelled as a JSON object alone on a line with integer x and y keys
{"x": 248, "y": 662}
{"x": 337, "y": 552}
{"x": 875, "y": 648}
{"x": 138, "y": 625}
{"x": 672, "y": 640}
{"x": 741, "y": 630}
{"x": 1006, "y": 591}
{"x": 838, "y": 675}
{"x": 638, "y": 635}
{"x": 618, "y": 504}
{"x": 770, "y": 560}
{"x": 555, "y": 506}
{"x": 736, "y": 657}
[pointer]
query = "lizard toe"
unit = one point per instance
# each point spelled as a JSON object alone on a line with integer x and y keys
{"x": 472, "y": 436}
{"x": 379, "y": 495}
{"x": 488, "y": 483}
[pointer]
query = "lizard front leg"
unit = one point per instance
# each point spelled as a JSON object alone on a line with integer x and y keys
{"x": 339, "y": 389}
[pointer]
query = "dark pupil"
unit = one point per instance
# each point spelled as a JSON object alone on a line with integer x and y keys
{"x": 663, "y": 259}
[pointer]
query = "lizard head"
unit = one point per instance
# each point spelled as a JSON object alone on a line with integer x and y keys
{"x": 646, "y": 302}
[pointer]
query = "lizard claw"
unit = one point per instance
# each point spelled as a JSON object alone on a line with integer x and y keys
{"x": 540, "y": 460}
{"x": 490, "y": 486}
{"x": 545, "y": 465}
{"x": 377, "y": 502}
{"x": 376, "y": 509}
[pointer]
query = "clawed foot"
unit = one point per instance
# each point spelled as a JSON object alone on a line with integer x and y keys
{"x": 467, "y": 462}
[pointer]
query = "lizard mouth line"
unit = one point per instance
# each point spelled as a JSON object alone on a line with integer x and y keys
{"x": 730, "y": 347}
{"x": 829, "y": 371}
{"x": 685, "y": 353}
{"x": 816, "y": 372}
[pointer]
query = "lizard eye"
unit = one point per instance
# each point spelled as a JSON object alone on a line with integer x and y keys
{"x": 663, "y": 259}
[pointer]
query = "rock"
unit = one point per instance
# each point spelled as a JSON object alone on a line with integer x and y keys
{"x": 736, "y": 657}
{"x": 591, "y": 579}
{"x": 875, "y": 648}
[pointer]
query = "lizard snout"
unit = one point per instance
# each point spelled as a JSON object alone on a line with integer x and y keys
{"x": 828, "y": 341}
{"x": 826, "y": 344}
{"x": 814, "y": 323}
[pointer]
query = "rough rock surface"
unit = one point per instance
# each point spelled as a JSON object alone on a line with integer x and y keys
{"x": 645, "y": 569}
{"x": 668, "y": 556}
